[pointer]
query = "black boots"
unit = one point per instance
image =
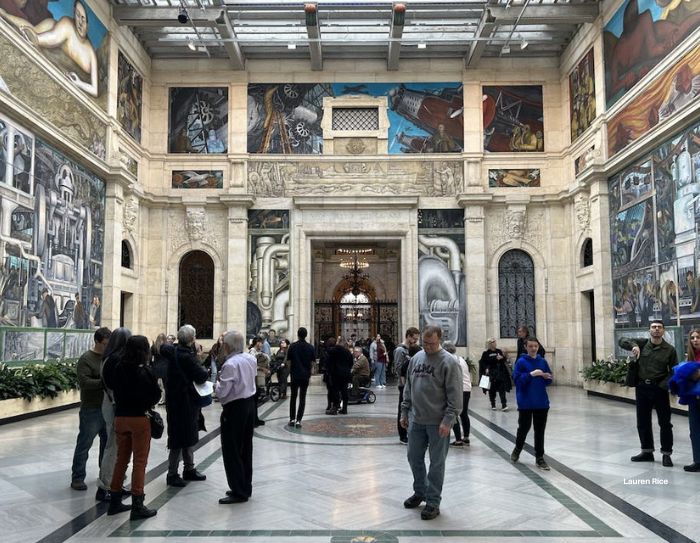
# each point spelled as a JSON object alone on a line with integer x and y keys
{"x": 139, "y": 510}
{"x": 115, "y": 504}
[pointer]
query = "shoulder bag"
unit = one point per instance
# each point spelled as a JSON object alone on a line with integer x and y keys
{"x": 632, "y": 376}
{"x": 157, "y": 425}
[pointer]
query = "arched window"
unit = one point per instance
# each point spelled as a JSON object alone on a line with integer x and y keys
{"x": 587, "y": 253}
{"x": 126, "y": 255}
{"x": 516, "y": 292}
{"x": 196, "y": 293}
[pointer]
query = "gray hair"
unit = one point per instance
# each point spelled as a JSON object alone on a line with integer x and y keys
{"x": 234, "y": 341}
{"x": 186, "y": 334}
{"x": 449, "y": 347}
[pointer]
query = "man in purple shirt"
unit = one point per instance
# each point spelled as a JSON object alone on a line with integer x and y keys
{"x": 235, "y": 389}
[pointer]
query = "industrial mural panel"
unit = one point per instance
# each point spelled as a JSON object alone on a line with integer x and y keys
{"x": 655, "y": 246}
{"x": 70, "y": 35}
{"x": 285, "y": 118}
{"x": 52, "y": 250}
{"x": 16, "y": 152}
{"x": 639, "y": 36}
{"x": 582, "y": 109}
{"x": 441, "y": 267}
{"x": 188, "y": 179}
{"x": 514, "y": 178}
{"x": 669, "y": 94}
{"x": 513, "y": 118}
{"x": 268, "y": 291}
{"x": 129, "y": 98}
{"x": 198, "y": 120}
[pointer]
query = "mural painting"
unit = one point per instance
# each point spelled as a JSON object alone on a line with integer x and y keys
{"x": 672, "y": 92}
{"x": 189, "y": 179}
{"x": 441, "y": 261}
{"x": 514, "y": 178}
{"x": 70, "y": 35}
{"x": 268, "y": 293}
{"x": 130, "y": 98}
{"x": 48, "y": 99}
{"x": 513, "y": 118}
{"x": 639, "y": 36}
{"x": 16, "y": 152}
{"x": 584, "y": 160}
{"x": 198, "y": 120}
{"x": 582, "y": 110}
{"x": 285, "y": 118}
{"x": 655, "y": 206}
{"x": 51, "y": 251}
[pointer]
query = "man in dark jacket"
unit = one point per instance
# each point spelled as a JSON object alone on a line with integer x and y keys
{"x": 656, "y": 359}
{"x": 339, "y": 368}
{"x": 181, "y": 405}
{"x": 301, "y": 357}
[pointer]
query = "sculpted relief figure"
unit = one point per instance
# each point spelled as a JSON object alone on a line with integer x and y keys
{"x": 515, "y": 223}
{"x": 70, "y": 35}
{"x": 582, "y": 210}
{"x": 195, "y": 222}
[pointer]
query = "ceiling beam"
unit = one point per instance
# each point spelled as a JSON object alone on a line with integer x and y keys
{"x": 546, "y": 14}
{"x": 160, "y": 17}
{"x": 487, "y": 26}
{"x": 398, "y": 17}
{"x": 313, "y": 30}
{"x": 231, "y": 45}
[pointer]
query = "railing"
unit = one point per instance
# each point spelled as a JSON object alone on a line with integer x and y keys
{"x": 21, "y": 346}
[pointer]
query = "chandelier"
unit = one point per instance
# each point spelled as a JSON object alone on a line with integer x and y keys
{"x": 355, "y": 275}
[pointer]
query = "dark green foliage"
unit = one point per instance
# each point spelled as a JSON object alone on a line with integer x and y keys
{"x": 611, "y": 371}
{"x": 44, "y": 381}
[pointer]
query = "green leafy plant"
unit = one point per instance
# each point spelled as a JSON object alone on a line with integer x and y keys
{"x": 37, "y": 380}
{"x": 610, "y": 371}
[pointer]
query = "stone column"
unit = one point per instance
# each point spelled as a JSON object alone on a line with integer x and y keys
{"x": 111, "y": 271}
{"x": 475, "y": 273}
{"x": 237, "y": 274}
{"x": 600, "y": 234}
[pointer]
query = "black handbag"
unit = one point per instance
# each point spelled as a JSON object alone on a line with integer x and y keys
{"x": 157, "y": 424}
{"x": 632, "y": 377}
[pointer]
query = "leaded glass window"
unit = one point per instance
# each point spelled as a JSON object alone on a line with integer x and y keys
{"x": 516, "y": 292}
{"x": 196, "y": 293}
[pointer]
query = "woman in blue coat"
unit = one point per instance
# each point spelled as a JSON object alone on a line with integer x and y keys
{"x": 531, "y": 376}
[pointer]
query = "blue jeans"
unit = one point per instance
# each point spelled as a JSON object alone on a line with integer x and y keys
{"x": 422, "y": 437}
{"x": 91, "y": 425}
{"x": 694, "y": 422}
{"x": 380, "y": 375}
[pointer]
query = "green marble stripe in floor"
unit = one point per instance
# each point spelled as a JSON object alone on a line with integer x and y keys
{"x": 594, "y": 522}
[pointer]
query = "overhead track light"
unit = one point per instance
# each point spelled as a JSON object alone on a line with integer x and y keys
{"x": 505, "y": 50}
{"x": 291, "y": 46}
{"x": 422, "y": 45}
{"x": 191, "y": 45}
{"x": 523, "y": 45}
{"x": 182, "y": 16}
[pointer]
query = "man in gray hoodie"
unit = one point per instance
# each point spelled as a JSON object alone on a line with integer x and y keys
{"x": 432, "y": 400}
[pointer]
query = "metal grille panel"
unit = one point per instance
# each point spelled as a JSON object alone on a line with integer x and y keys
{"x": 516, "y": 292}
{"x": 355, "y": 118}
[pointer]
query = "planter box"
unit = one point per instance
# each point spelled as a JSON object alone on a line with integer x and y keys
{"x": 616, "y": 392}
{"x": 19, "y": 408}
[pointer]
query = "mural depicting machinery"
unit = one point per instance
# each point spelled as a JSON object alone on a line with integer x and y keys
{"x": 268, "y": 293}
{"x": 441, "y": 288}
{"x": 51, "y": 245}
{"x": 513, "y": 118}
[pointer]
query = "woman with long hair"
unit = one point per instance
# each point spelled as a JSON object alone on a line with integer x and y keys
{"x": 685, "y": 383}
{"x": 110, "y": 358}
{"x": 135, "y": 392}
{"x": 281, "y": 366}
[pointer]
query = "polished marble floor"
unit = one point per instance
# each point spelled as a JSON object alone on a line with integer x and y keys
{"x": 343, "y": 479}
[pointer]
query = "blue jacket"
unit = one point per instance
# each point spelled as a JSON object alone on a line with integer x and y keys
{"x": 531, "y": 392}
{"x": 682, "y": 385}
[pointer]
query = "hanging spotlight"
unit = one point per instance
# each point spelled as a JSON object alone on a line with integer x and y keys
{"x": 291, "y": 46}
{"x": 505, "y": 50}
{"x": 183, "y": 17}
{"x": 422, "y": 45}
{"x": 191, "y": 45}
{"x": 523, "y": 45}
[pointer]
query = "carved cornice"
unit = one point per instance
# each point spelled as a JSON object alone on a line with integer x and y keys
{"x": 356, "y": 202}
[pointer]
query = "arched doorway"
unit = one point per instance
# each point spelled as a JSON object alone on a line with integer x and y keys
{"x": 196, "y": 293}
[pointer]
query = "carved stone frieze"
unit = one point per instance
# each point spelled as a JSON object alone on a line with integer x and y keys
{"x": 131, "y": 213}
{"x": 419, "y": 177}
{"x": 582, "y": 210}
{"x": 200, "y": 227}
{"x": 514, "y": 224}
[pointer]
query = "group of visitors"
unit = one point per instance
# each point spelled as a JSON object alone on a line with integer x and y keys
{"x": 119, "y": 386}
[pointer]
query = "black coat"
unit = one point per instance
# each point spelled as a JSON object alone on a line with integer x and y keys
{"x": 498, "y": 371}
{"x": 301, "y": 357}
{"x": 180, "y": 395}
{"x": 339, "y": 364}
